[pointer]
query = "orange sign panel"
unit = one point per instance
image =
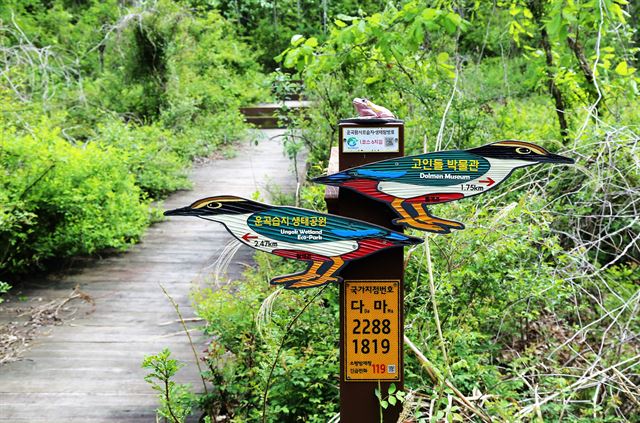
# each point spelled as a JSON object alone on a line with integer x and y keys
{"x": 372, "y": 331}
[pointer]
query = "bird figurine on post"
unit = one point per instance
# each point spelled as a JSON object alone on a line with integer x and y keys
{"x": 409, "y": 184}
{"x": 367, "y": 109}
{"x": 327, "y": 242}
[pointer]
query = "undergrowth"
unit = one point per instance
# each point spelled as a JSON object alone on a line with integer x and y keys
{"x": 104, "y": 106}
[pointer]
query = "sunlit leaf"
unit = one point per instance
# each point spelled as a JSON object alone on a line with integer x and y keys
{"x": 312, "y": 42}
{"x": 624, "y": 69}
{"x": 372, "y": 79}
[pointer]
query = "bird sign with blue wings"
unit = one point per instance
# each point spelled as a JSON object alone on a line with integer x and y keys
{"x": 327, "y": 242}
{"x": 409, "y": 184}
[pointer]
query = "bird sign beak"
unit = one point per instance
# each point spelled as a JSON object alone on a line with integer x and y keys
{"x": 183, "y": 211}
{"x": 555, "y": 159}
{"x": 412, "y": 240}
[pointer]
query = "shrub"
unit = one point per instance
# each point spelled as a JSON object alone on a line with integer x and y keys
{"x": 111, "y": 120}
{"x": 176, "y": 399}
{"x": 247, "y": 331}
{"x": 58, "y": 199}
{"x": 154, "y": 155}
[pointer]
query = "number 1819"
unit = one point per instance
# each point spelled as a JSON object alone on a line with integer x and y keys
{"x": 365, "y": 346}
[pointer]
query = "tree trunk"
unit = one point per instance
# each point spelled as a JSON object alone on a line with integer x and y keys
{"x": 537, "y": 10}
{"x": 578, "y": 51}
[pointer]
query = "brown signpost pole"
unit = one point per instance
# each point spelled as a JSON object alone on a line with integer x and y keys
{"x": 371, "y": 296}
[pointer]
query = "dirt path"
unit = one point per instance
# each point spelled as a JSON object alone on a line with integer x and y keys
{"x": 89, "y": 368}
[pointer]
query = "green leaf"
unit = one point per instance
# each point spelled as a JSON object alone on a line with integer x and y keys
{"x": 392, "y": 388}
{"x": 291, "y": 58}
{"x": 296, "y": 40}
{"x": 339, "y": 23}
{"x": 442, "y": 57}
{"x": 312, "y": 42}
{"x": 429, "y": 14}
{"x": 555, "y": 25}
{"x": 372, "y": 79}
{"x": 618, "y": 12}
{"x": 417, "y": 33}
{"x": 384, "y": 404}
{"x": 279, "y": 57}
{"x": 392, "y": 400}
{"x": 450, "y": 23}
{"x": 624, "y": 69}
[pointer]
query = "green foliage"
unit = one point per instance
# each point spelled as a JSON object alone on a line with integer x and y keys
{"x": 104, "y": 106}
{"x": 520, "y": 292}
{"x": 247, "y": 330}
{"x": 270, "y": 24}
{"x": 58, "y": 199}
{"x": 176, "y": 399}
{"x": 154, "y": 155}
{"x": 398, "y": 57}
{"x": 392, "y": 398}
{"x": 4, "y": 288}
{"x": 106, "y": 102}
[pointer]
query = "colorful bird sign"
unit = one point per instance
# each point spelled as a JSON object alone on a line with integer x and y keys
{"x": 326, "y": 241}
{"x": 409, "y": 184}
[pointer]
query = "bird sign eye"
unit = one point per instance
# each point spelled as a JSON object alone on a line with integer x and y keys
{"x": 214, "y": 205}
{"x": 523, "y": 150}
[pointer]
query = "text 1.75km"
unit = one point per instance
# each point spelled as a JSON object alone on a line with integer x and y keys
{"x": 472, "y": 187}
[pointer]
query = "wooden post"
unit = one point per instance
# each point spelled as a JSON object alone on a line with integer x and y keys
{"x": 358, "y": 402}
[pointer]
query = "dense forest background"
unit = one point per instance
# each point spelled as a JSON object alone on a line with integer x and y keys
{"x": 531, "y": 313}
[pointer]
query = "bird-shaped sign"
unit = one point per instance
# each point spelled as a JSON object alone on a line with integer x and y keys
{"x": 411, "y": 183}
{"x": 327, "y": 242}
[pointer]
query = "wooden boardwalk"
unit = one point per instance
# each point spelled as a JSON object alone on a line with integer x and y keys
{"x": 89, "y": 368}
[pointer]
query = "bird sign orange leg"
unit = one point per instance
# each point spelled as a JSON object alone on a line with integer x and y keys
{"x": 315, "y": 275}
{"x": 323, "y": 277}
{"x": 418, "y": 217}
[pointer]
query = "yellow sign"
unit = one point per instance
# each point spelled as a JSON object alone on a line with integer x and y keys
{"x": 372, "y": 331}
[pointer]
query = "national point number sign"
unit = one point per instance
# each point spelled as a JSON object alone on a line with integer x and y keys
{"x": 372, "y": 332}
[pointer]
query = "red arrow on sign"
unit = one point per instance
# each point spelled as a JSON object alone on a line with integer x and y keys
{"x": 248, "y": 237}
{"x": 488, "y": 181}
